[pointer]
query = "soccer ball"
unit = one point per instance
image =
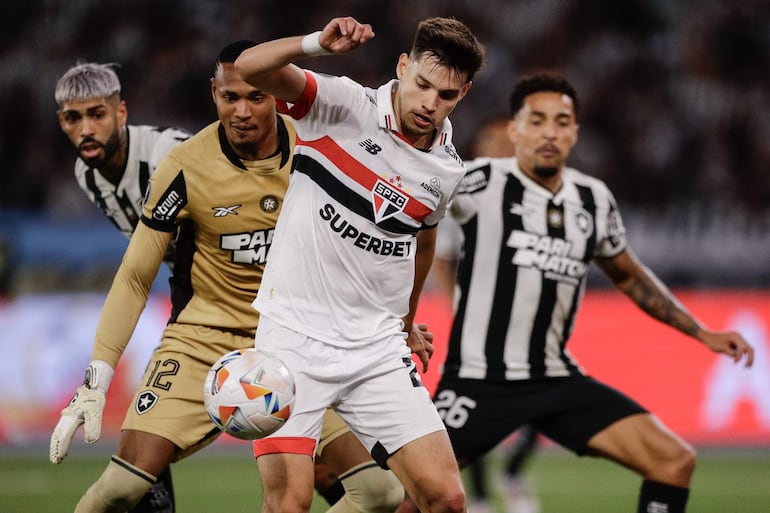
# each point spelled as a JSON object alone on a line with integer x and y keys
{"x": 249, "y": 394}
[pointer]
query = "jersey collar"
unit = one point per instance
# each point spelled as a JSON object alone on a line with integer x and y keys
{"x": 284, "y": 145}
{"x": 386, "y": 116}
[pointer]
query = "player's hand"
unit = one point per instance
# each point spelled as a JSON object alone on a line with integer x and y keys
{"x": 86, "y": 407}
{"x": 730, "y": 343}
{"x": 342, "y": 35}
{"x": 420, "y": 341}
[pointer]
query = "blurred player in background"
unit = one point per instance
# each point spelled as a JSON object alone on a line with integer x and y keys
{"x": 531, "y": 228}
{"x": 219, "y": 195}
{"x": 114, "y": 164}
{"x": 492, "y": 140}
{"x": 373, "y": 175}
{"x": 115, "y": 159}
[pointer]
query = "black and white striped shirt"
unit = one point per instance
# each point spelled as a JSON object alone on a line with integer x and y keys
{"x": 522, "y": 275}
{"x": 122, "y": 203}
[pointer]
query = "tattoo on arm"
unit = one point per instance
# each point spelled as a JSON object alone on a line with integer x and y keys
{"x": 656, "y": 300}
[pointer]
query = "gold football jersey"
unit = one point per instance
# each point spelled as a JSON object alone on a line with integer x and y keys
{"x": 224, "y": 210}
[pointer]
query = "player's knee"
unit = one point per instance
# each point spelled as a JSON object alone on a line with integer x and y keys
{"x": 676, "y": 466}
{"x": 684, "y": 465}
{"x": 453, "y": 501}
{"x": 370, "y": 489}
{"x": 444, "y": 499}
{"x": 118, "y": 489}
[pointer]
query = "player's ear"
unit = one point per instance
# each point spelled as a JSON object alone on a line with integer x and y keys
{"x": 403, "y": 63}
{"x": 122, "y": 112}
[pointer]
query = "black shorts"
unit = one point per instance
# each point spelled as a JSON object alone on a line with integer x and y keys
{"x": 479, "y": 414}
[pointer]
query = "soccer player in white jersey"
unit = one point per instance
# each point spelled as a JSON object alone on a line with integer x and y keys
{"x": 114, "y": 164}
{"x": 531, "y": 227}
{"x": 374, "y": 171}
{"x": 115, "y": 159}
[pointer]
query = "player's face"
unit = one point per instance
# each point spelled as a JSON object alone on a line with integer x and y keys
{"x": 544, "y": 132}
{"x": 95, "y": 127}
{"x": 427, "y": 93}
{"x": 246, "y": 113}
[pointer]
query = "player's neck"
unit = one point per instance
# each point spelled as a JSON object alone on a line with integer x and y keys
{"x": 113, "y": 169}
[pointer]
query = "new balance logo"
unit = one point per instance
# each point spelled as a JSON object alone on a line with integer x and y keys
{"x": 370, "y": 146}
{"x": 223, "y": 211}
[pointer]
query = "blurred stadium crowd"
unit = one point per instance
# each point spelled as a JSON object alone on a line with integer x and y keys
{"x": 675, "y": 102}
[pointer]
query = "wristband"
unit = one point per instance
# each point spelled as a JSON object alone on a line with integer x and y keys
{"x": 98, "y": 375}
{"x": 311, "y": 45}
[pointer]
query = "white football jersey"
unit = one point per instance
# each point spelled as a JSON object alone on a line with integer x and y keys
{"x": 122, "y": 203}
{"x": 341, "y": 267}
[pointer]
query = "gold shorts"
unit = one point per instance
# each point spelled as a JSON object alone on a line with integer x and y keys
{"x": 169, "y": 399}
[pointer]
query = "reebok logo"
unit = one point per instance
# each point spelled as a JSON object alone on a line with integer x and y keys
{"x": 223, "y": 211}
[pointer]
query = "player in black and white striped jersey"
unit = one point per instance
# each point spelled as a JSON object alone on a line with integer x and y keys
{"x": 115, "y": 159}
{"x": 114, "y": 164}
{"x": 531, "y": 228}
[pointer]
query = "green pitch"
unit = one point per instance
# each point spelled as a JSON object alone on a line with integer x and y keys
{"x": 226, "y": 480}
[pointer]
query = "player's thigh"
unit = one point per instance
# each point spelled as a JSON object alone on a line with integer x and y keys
{"x": 641, "y": 442}
{"x": 287, "y": 481}
{"x": 338, "y": 447}
{"x": 149, "y": 452}
{"x": 440, "y": 478}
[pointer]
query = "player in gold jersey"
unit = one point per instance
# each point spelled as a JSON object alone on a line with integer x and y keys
{"x": 218, "y": 195}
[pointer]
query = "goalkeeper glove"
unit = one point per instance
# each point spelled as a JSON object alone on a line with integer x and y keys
{"x": 86, "y": 407}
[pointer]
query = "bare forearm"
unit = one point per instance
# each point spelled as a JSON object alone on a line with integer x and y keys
{"x": 655, "y": 299}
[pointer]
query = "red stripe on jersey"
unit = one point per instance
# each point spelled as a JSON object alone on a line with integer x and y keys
{"x": 301, "y": 107}
{"x": 284, "y": 444}
{"x": 362, "y": 174}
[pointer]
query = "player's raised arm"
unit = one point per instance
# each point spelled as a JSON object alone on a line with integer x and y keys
{"x": 268, "y": 66}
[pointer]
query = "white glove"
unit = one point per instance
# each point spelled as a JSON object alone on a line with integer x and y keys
{"x": 86, "y": 407}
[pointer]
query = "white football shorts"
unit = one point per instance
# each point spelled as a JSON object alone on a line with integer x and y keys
{"x": 375, "y": 388}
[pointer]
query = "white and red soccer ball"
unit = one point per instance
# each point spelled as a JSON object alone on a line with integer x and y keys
{"x": 249, "y": 394}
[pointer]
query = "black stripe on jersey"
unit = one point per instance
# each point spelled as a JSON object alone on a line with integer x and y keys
{"x": 547, "y": 301}
{"x": 98, "y": 198}
{"x": 144, "y": 177}
{"x": 228, "y": 150}
{"x": 128, "y": 207}
{"x": 181, "y": 279}
{"x": 589, "y": 204}
{"x": 500, "y": 316}
{"x": 464, "y": 271}
{"x": 342, "y": 194}
{"x": 284, "y": 144}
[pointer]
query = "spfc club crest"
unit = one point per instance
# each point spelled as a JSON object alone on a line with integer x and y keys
{"x": 387, "y": 201}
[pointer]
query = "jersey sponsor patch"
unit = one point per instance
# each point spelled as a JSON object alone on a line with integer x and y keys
{"x": 249, "y": 247}
{"x": 363, "y": 240}
{"x": 172, "y": 201}
{"x": 475, "y": 180}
